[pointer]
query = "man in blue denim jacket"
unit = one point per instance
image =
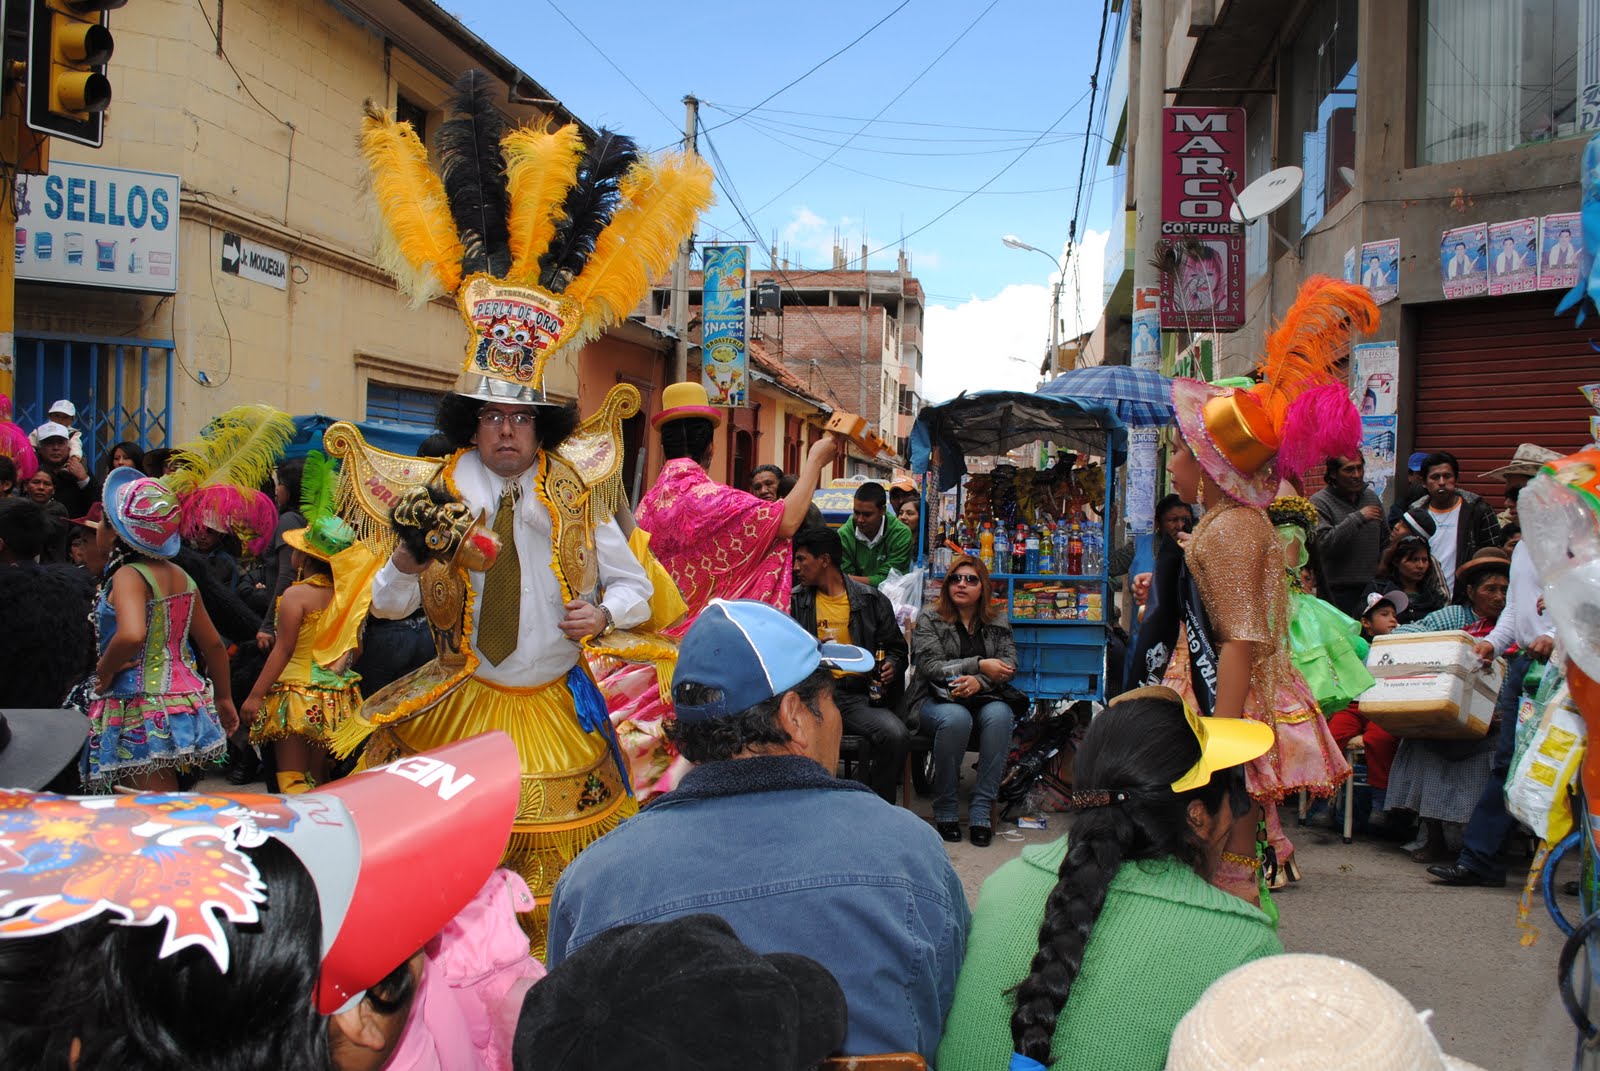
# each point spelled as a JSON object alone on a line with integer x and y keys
{"x": 761, "y": 833}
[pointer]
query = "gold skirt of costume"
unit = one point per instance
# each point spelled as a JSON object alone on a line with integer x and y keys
{"x": 572, "y": 792}
{"x": 304, "y": 710}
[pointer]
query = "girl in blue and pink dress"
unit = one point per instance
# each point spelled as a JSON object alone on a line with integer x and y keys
{"x": 151, "y": 711}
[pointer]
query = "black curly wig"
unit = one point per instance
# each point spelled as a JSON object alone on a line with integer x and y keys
{"x": 458, "y": 421}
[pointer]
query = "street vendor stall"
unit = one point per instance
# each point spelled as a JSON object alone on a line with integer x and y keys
{"x": 1056, "y": 591}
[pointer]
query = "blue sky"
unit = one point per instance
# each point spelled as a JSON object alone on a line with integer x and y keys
{"x": 1013, "y": 68}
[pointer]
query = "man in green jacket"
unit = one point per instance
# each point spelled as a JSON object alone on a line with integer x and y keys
{"x": 874, "y": 542}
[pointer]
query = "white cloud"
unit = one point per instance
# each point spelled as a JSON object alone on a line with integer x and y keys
{"x": 999, "y": 342}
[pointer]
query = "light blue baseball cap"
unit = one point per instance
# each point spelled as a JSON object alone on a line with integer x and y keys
{"x": 750, "y": 652}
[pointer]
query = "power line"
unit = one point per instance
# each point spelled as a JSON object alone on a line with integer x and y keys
{"x": 1083, "y": 170}
{"x": 790, "y": 85}
{"x": 724, "y": 179}
{"x": 892, "y": 101}
{"x": 1012, "y": 144}
{"x": 858, "y": 119}
{"x": 778, "y": 140}
{"x": 987, "y": 183}
{"x": 579, "y": 30}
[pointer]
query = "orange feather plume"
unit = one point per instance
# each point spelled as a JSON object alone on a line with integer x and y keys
{"x": 1310, "y": 341}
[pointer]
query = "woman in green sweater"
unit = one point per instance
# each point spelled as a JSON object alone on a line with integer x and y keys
{"x": 1086, "y": 952}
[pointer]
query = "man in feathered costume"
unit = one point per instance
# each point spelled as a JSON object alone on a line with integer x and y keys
{"x": 544, "y": 240}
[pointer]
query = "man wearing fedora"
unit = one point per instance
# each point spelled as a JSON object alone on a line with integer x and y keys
{"x": 716, "y": 542}
{"x": 1524, "y": 465}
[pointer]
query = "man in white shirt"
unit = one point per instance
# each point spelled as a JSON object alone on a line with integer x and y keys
{"x": 527, "y": 614}
{"x": 1373, "y": 278}
{"x": 1563, "y": 254}
{"x": 1461, "y": 523}
{"x": 1460, "y": 264}
{"x": 1509, "y": 259}
{"x": 1523, "y": 624}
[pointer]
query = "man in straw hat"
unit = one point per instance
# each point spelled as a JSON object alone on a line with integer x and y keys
{"x": 544, "y": 240}
{"x": 1523, "y": 466}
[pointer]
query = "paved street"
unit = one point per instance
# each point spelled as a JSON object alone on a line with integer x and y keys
{"x": 1455, "y": 951}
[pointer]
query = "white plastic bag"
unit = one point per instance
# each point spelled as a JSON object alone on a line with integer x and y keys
{"x": 904, "y": 592}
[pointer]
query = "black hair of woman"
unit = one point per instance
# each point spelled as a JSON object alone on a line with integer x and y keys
{"x": 1140, "y": 747}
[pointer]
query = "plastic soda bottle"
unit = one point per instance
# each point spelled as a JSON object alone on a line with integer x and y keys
{"x": 986, "y": 546}
{"x": 1047, "y": 550}
{"x": 1002, "y": 552}
{"x": 1075, "y": 551}
{"x": 1032, "y": 558}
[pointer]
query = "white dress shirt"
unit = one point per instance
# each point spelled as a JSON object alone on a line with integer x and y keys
{"x": 1521, "y": 622}
{"x": 543, "y": 651}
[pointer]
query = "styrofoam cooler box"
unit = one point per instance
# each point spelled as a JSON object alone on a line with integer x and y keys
{"x": 1404, "y": 654}
{"x": 1438, "y": 706}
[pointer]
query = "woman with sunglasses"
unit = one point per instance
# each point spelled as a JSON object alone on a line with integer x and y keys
{"x": 1120, "y": 914}
{"x": 1408, "y": 567}
{"x": 965, "y": 656}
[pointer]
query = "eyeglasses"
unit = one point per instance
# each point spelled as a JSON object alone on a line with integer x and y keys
{"x": 493, "y": 418}
{"x": 964, "y": 578}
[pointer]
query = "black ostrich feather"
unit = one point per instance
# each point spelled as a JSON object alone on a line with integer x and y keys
{"x": 474, "y": 175}
{"x": 588, "y": 209}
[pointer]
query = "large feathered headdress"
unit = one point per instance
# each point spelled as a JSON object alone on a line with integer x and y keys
{"x": 220, "y": 473}
{"x": 543, "y": 238}
{"x": 1299, "y": 414}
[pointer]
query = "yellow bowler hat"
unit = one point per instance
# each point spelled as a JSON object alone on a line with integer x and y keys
{"x": 680, "y": 401}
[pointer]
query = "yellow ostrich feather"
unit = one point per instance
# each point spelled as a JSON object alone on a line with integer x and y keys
{"x": 237, "y": 448}
{"x": 540, "y": 169}
{"x": 661, "y": 200}
{"x": 417, "y": 240}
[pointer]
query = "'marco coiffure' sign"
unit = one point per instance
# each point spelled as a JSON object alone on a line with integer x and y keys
{"x": 1202, "y": 284}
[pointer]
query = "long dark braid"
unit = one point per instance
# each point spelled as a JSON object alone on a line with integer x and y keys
{"x": 1135, "y": 749}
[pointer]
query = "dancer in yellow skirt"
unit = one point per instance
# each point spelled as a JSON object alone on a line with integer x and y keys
{"x": 544, "y": 239}
{"x": 298, "y": 703}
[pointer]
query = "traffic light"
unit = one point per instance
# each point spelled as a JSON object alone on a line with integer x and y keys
{"x": 69, "y": 45}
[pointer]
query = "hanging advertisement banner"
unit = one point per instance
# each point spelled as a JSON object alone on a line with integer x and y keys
{"x": 1376, "y": 375}
{"x": 724, "y": 324}
{"x": 1201, "y": 249}
{"x": 98, "y": 226}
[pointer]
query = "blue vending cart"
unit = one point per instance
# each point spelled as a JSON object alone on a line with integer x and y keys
{"x": 1058, "y": 658}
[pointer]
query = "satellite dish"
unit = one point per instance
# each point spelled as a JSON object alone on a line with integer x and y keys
{"x": 1265, "y": 194}
{"x": 1349, "y": 175}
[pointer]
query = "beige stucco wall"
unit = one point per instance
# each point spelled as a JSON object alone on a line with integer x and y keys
{"x": 181, "y": 108}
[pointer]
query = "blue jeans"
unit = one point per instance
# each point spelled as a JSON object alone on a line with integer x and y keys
{"x": 1490, "y": 822}
{"x": 952, "y": 728}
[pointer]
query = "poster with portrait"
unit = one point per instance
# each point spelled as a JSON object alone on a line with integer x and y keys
{"x": 1560, "y": 251}
{"x": 1463, "y": 271}
{"x": 1513, "y": 256}
{"x": 1202, "y": 286}
{"x": 1375, "y": 372}
{"x": 1380, "y": 269}
{"x": 1377, "y": 450}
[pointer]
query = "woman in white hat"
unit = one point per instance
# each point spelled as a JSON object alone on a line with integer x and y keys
{"x": 1327, "y": 1015}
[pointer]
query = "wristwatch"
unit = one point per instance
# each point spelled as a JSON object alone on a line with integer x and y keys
{"x": 611, "y": 622}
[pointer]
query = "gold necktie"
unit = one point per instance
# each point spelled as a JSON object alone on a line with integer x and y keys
{"x": 500, "y": 609}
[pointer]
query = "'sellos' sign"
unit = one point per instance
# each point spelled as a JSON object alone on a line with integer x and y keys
{"x": 98, "y": 226}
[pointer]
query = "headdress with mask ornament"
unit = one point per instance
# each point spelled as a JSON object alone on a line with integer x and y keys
{"x": 543, "y": 238}
{"x": 1300, "y": 413}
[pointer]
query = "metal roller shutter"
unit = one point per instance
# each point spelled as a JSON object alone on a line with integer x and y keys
{"x": 1497, "y": 372}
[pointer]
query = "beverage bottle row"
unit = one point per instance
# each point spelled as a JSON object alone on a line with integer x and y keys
{"x": 1075, "y": 548}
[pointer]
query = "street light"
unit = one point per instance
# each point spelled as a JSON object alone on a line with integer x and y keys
{"x": 1013, "y": 242}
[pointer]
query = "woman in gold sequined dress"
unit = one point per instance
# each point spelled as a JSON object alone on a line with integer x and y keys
{"x": 1235, "y": 444}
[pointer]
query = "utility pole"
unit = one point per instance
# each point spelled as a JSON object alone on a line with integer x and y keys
{"x": 866, "y": 319}
{"x": 680, "y": 269}
{"x": 1145, "y": 351}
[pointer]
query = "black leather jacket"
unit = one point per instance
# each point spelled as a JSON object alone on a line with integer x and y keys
{"x": 872, "y": 626}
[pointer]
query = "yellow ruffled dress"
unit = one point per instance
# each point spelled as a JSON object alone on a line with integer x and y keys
{"x": 309, "y": 701}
